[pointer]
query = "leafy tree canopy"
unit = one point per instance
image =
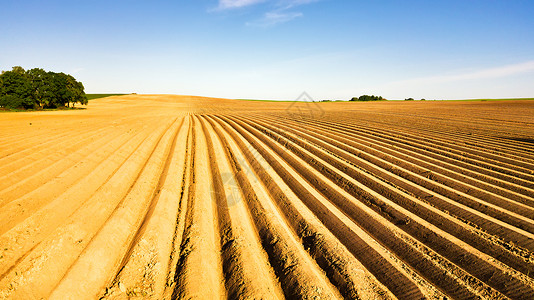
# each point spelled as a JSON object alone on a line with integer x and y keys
{"x": 37, "y": 88}
{"x": 367, "y": 98}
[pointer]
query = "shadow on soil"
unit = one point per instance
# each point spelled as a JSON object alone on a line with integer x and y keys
{"x": 525, "y": 140}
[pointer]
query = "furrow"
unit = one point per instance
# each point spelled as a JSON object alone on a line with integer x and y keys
{"x": 520, "y": 174}
{"x": 199, "y": 259}
{"x": 15, "y": 169}
{"x": 456, "y": 142}
{"x": 180, "y": 222}
{"x": 27, "y": 144}
{"x": 414, "y": 226}
{"x": 143, "y": 269}
{"x": 300, "y": 276}
{"x": 16, "y": 188}
{"x": 348, "y": 274}
{"x": 426, "y": 189}
{"x": 477, "y": 173}
{"x": 431, "y": 214}
{"x": 418, "y": 169}
{"x": 486, "y": 135}
{"x": 19, "y": 209}
{"x": 97, "y": 265}
{"x": 67, "y": 229}
{"x": 390, "y": 276}
{"x": 245, "y": 263}
{"x": 186, "y": 197}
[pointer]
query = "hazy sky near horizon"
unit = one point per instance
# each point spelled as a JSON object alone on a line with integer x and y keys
{"x": 276, "y": 49}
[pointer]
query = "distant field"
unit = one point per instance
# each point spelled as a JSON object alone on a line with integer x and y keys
{"x": 504, "y": 99}
{"x": 181, "y": 197}
{"x": 266, "y": 100}
{"x": 96, "y": 96}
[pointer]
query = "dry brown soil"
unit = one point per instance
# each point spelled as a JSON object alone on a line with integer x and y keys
{"x": 159, "y": 196}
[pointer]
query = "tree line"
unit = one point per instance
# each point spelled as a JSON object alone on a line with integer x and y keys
{"x": 368, "y": 98}
{"x": 39, "y": 89}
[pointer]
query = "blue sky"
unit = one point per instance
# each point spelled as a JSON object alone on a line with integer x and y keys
{"x": 276, "y": 49}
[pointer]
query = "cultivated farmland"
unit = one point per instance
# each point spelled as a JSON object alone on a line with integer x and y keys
{"x": 190, "y": 197}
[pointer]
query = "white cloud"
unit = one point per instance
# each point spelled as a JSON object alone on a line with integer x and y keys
{"x": 280, "y": 4}
{"x": 279, "y": 10}
{"x": 497, "y": 82}
{"x": 497, "y": 72}
{"x": 229, "y": 4}
{"x": 287, "y": 4}
{"x": 273, "y": 18}
{"x": 76, "y": 71}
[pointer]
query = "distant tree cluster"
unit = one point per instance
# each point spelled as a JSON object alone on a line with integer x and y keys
{"x": 38, "y": 89}
{"x": 367, "y": 98}
{"x": 412, "y": 99}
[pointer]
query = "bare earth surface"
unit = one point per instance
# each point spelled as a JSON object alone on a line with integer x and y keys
{"x": 186, "y": 197}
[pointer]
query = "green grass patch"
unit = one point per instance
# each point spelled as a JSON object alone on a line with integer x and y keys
{"x": 96, "y": 96}
{"x": 505, "y": 99}
{"x": 4, "y": 110}
{"x": 266, "y": 100}
{"x": 474, "y": 100}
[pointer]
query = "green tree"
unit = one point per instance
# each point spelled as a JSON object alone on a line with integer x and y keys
{"x": 38, "y": 88}
{"x": 39, "y": 83}
{"x": 75, "y": 91}
{"x": 16, "y": 85}
{"x": 59, "y": 85}
{"x": 11, "y": 102}
{"x": 368, "y": 98}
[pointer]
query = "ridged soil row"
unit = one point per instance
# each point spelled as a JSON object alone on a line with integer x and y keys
{"x": 32, "y": 230}
{"x": 11, "y": 132}
{"x": 348, "y": 233}
{"x": 30, "y": 146}
{"x": 398, "y": 171}
{"x": 100, "y": 261}
{"x": 510, "y": 148}
{"x": 343, "y": 270}
{"x": 26, "y": 142}
{"x": 18, "y": 209}
{"x": 424, "y": 173}
{"x": 431, "y": 168}
{"x": 474, "y": 177}
{"x": 38, "y": 119}
{"x": 299, "y": 275}
{"x": 53, "y": 237}
{"x": 247, "y": 270}
{"x": 491, "y": 147}
{"x": 504, "y": 158}
{"x": 468, "y": 171}
{"x": 22, "y": 239}
{"x": 439, "y": 241}
{"x": 23, "y": 181}
{"x": 430, "y": 214}
{"x": 12, "y": 169}
{"x": 36, "y": 138}
{"x": 496, "y": 163}
{"x": 495, "y": 138}
{"x": 517, "y": 173}
{"x": 144, "y": 267}
{"x": 487, "y": 135}
{"x": 199, "y": 270}
{"x": 435, "y": 170}
{"x": 180, "y": 222}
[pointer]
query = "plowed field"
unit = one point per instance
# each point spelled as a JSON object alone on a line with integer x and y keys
{"x": 189, "y": 197}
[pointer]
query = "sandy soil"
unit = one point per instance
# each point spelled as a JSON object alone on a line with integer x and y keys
{"x": 163, "y": 197}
